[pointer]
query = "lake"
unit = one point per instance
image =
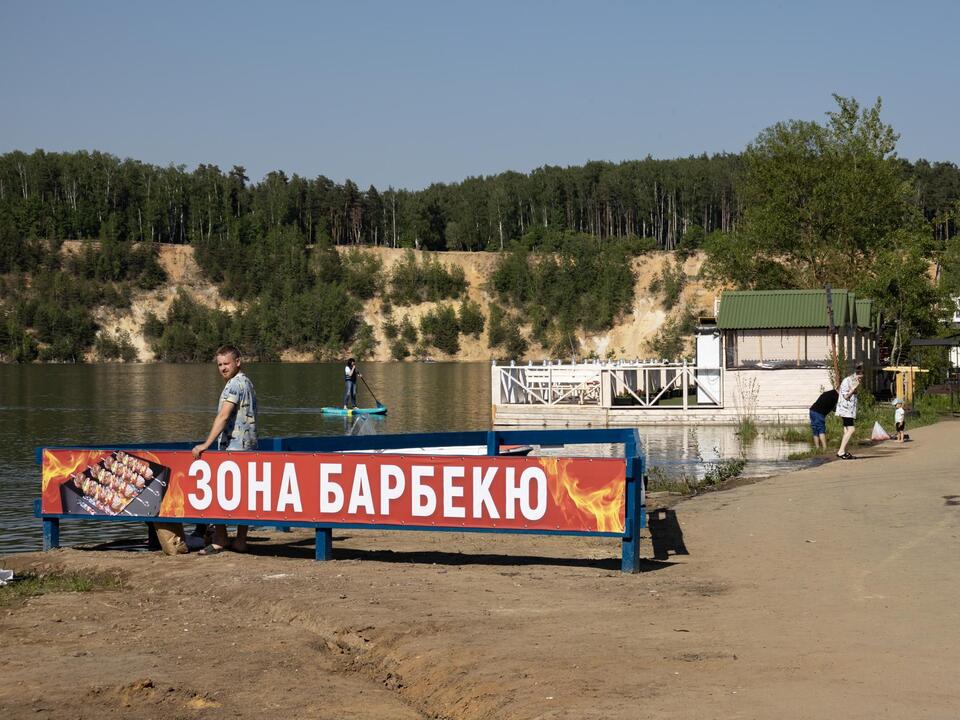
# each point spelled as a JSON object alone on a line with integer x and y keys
{"x": 44, "y": 405}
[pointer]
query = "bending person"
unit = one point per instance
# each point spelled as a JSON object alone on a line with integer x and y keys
{"x": 234, "y": 428}
{"x": 824, "y": 405}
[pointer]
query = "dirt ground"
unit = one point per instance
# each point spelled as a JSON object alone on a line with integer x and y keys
{"x": 826, "y": 593}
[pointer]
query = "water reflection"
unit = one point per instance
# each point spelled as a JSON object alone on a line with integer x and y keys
{"x": 96, "y": 404}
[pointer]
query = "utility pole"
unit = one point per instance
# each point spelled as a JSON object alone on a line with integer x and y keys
{"x": 833, "y": 338}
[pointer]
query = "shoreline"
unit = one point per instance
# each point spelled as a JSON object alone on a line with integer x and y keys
{"x": 802, "y": 594}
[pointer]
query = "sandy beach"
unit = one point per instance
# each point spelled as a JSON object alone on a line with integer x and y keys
{"x": 828, "y": 592}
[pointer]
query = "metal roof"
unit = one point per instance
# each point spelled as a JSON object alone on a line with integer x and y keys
{"x": 751, "y": 309}
{"x": 864, "y": 313}
{"x": 948, "y": 341}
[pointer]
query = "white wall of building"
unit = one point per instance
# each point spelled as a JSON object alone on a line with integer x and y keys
{"x": 709, "y": 362}
{"x": 769, "y": 390}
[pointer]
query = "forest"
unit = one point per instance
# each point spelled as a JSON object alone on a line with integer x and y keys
{"x": 804, "y": 204}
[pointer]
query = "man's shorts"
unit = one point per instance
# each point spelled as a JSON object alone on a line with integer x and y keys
{"x": 848, "y": 422}
{"x": 818, "y": 423}
{"x": 900, "y": 427}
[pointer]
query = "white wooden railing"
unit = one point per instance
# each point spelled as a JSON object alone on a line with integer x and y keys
{"x": 620, "y": 384}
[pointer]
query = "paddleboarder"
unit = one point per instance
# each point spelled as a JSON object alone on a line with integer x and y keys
{"x": 350, "y": 376}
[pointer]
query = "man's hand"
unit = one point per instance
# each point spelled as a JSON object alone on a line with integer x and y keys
{"x": 219, "y": 423}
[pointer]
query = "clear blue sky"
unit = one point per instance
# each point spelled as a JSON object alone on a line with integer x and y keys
{"x": 407, "y": 93}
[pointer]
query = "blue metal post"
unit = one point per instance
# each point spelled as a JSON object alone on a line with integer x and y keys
{"x": 493, "y": 443}
{"x": 324, "y": 550}
{"x": 51, "y": 533}
{"x": 630, "y": 557}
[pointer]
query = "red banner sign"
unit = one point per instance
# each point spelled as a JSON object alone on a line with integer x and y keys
{"x": 568, "y": 494}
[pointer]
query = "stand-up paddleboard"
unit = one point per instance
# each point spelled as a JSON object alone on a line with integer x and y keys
{"x": 379, "y": 410}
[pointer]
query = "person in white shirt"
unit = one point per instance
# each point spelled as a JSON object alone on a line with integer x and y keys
{"x": 898, "y": 418}
{"x": 847, "y": 409}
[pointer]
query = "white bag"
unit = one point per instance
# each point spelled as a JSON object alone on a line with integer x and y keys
{"x": 878, "y": 432}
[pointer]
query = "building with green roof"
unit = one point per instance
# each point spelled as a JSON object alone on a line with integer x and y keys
{"x": 774, "y": 345}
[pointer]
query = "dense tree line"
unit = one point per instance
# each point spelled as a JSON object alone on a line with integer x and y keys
{"x": 91, "y": 195}
{"x": 88, "y": 195}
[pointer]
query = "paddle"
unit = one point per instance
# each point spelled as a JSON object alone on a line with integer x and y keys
{"x": 379, "y": 404}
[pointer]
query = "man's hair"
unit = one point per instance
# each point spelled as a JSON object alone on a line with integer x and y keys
{"x": 228, "y": 350}
{"x": 351, "y": 361}
{"x": 858, "y": 368}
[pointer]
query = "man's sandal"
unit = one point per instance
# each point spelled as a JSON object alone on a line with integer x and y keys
{"x": 211, "y": 549}
{"x": 846, "y": 456}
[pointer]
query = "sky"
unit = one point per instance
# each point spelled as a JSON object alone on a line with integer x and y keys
{"x": 404, "y": 94}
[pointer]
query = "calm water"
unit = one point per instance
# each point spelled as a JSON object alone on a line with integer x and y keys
{"x": 103, "y": 404}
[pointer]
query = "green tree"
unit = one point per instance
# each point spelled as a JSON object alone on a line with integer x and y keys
{"x": 820, "y": 201}
{"x": 910, "y": 304}
{"x": 441, "y": 328}
{"x": 471, "y": 318}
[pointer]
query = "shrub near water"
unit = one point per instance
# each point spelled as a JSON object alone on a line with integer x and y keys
{"x": 408, "y": 332}
{"x": 115, "y": 346}
{"x": 503, "y": 332}
{"x": 192, "y": 332}
{"x": 659, "y": 480}
{"x": 399, "y": 350}
{"x": 441, "y": 328}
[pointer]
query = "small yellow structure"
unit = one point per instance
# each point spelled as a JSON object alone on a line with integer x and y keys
{"x": 904, "y": 376}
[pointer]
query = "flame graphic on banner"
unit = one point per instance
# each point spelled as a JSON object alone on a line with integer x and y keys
{"x": 174, "y": 501}
{"x": 599, "y": 499}
{"x": 57, "y": 469}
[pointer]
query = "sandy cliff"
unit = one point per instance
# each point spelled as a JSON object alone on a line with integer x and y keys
{"x": 627, "y": 339}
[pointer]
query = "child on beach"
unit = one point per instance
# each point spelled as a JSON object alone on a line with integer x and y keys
{"x": 898, "y": 419}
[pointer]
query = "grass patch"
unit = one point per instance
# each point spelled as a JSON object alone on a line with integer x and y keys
{"x": 659, "y": 480}
{"x": 31, "y": 584}
{"x": 747, "y": 429}
{"x": 787, "y": 433}
{"x": 808, "y": 454}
